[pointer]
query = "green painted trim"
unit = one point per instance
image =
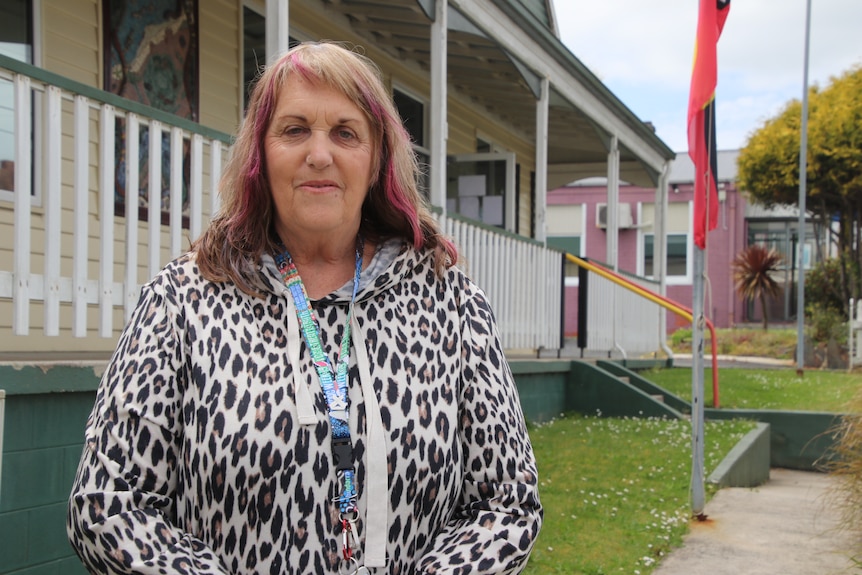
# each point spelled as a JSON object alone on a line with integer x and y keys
{"x": 798, "y": 439}
{"x": 645, "y": 385}
{"x": 542, "y": 395}
{"x": 519, "y": 367}
{"x": 593, "y": 389}
{"x": 50, "y": 378}
{"x": 747, "y": 464}
{"x": 59, "y": 378}
{"x": 635, "y": 364}
{"x": 112, "y": 99}
{"x": 550, "y": 387}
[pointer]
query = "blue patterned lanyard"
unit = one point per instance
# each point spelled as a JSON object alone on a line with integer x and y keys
{"x": 334, "y": 388}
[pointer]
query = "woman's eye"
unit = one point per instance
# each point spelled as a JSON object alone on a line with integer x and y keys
{"x": 345, "y": 134}
{"x": 294, "y": 131}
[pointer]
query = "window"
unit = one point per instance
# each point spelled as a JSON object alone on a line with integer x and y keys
{"x": 16, "y": 41}
{"x": 482, "y": 187}
{"x": 253, "y": 49}
{"x": 677, "y": 255}
{"x": 254, "y": 56}
{"x": 413, "y": 114}
{"x": 16, "y": 29}
{"x": 782, "y": 236}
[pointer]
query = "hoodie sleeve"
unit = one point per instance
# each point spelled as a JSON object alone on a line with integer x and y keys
{"x": 499, "y": 515}
{"x": 122, "y": 502}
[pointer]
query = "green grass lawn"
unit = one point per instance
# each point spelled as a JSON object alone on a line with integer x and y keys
{"x": 765, "y": 388}
{"x": 616, "y": 491}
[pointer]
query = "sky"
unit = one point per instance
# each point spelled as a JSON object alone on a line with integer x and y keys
{"x": 642, "y": 51}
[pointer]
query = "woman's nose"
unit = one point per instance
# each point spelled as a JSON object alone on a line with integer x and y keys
{"x": 319, "y": 151}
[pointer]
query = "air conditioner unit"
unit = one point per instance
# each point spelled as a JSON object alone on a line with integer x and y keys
{"x": 624, "y": 216}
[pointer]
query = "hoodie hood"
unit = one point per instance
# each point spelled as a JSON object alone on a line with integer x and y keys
{"x": 393, "y": 261}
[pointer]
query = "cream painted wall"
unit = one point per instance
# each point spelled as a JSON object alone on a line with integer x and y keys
{"x": 678, "y": 219}
{"x": 220, "y": 64}
{"x": 71, "y": 41}
{"x": 71, "y": 45}
{"x": 565, "y": 220}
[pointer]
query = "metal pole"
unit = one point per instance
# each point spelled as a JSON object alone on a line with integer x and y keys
{"x": 800, "y": 249}
{"x": 698, "y": 498}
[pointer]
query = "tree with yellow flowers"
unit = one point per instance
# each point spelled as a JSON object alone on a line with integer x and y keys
{"x": 768, "y": 167}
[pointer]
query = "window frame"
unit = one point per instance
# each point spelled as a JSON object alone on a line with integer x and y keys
{"x": 675, "y": 279}
{"x": 420, "y": 149}
{"x": 36, "y": 124}
{"x": 510, "y": 190}
{"x": 259, "y": 9}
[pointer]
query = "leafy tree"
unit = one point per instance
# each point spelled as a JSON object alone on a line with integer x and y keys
{"x": 768, "y": 167}
{"x": 752, "y": 272}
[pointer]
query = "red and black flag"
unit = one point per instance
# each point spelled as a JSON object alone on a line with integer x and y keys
{"x": 701, "y": 116}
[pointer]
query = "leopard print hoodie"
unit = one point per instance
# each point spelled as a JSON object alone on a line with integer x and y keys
{"x": 208, "y": 448}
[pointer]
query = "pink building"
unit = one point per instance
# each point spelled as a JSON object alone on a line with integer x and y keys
{"x": 577, "y": 224}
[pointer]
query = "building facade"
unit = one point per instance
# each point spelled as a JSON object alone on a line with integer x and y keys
{"x": 577, "y": 223}
{"x": 116, "y": 119}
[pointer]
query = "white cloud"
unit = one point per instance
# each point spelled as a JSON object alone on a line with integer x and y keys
{"x": 626, "y": 41}
{"x": 643, "y": 50}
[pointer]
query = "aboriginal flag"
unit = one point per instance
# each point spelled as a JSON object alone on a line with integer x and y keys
{"x": 701, "y": 116}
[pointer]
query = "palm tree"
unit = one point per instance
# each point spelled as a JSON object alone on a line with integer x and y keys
{"x": 752, "y": 272}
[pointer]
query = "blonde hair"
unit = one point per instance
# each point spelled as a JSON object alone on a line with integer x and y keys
{"x": 242, "y": 231}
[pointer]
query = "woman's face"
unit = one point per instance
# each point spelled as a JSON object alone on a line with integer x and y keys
{"x": 319, "y": 157}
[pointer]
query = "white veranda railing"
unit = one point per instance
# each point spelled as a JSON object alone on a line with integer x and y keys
{"x": 522, "y": 279}
{"x": 75, "y": 246}
{"x": 621, "y": 321}
{"x": 68, "y": 140}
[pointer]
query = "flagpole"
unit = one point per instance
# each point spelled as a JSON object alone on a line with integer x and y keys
{"x": 698, "y": 497}
{"x": 702, "y": 150}
{"x": 803, "y": 176}
{"x": 698, "y": 318}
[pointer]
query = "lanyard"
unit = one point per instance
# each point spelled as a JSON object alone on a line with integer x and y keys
{"x": 334, "y": 384}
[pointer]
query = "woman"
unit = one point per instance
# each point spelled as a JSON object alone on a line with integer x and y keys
{"x": 314, "y": 388}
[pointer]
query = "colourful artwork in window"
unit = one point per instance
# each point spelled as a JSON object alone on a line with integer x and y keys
{"x": 151, "y": 57}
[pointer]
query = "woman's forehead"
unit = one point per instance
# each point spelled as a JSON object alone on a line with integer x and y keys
{"x": 303, "y": 93}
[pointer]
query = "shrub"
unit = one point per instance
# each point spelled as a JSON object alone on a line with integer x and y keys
{"x": 845, "y": 463}
{"x": 825, "y": 323}
{"x": 753, "y": 269}
{"x": 823, "y": 285}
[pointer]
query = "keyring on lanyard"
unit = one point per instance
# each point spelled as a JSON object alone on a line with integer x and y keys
{"x": 354, "y": 568}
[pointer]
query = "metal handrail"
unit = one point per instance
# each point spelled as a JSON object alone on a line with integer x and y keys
{"x": 660, "y": 300}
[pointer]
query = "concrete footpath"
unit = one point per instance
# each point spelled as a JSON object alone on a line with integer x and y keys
{"x": 785, "y": 527}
